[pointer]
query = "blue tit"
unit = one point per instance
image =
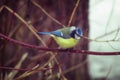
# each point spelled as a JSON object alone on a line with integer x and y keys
{"x": 66, "y": 37}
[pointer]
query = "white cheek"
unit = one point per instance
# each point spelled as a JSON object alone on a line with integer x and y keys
{"x": 77, "y": 37}
{"x": 72, "y": 28}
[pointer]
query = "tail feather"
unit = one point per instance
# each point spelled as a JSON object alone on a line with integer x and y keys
{"x": 55, "y": 33}
{"x": 48, "y": 33}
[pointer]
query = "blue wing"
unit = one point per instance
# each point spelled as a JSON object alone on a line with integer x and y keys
{"x": 64, "y": 32}
{"x": 56, "y": 33}
{"x": 48, "y": 33}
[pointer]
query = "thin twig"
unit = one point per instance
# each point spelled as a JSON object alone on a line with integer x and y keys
{"x": 45, "y": 12}
{"x": 24, "y": 69}
{"x": 107, "y": 34}
{"x": 73, "y": 12}
{"x": 13, "y": 73}
{"x": 35, "y": 70}
{"x": 112, "y": 46}
{"x": 108, "y": 73}
{"x": 96, "y": 40}
{"x": 110, "y": 16}
{"x": 118, "y": 30}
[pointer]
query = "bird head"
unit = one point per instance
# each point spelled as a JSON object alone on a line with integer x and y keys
{"x": 77, "y": 33}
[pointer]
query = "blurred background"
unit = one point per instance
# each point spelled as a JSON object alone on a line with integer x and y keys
{"x": 21, "y": 19}
{"x": 104, "y": 25}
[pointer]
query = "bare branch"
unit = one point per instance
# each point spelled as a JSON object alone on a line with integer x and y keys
{"x": 73, "y": 12}
{"x": 45, "y": 12}
{"x": 30, "y": 27}
{"x": 85, "y": 52}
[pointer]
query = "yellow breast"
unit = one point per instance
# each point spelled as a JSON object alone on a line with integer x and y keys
{"x": 65, "y": 43}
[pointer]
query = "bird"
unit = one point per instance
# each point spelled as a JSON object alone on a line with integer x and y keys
{"x": 67, "y": 37}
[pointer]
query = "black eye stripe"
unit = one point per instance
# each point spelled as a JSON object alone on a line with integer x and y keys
{"x": 73, "y": 34}
{"x": 77, "y": 34}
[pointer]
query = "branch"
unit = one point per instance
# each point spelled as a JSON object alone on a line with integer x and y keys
{"x": 85, "y": 52}
{"x": 30, "y": 27}
{"x": 73, "y": 12}
{"x": 46, "y": 13}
